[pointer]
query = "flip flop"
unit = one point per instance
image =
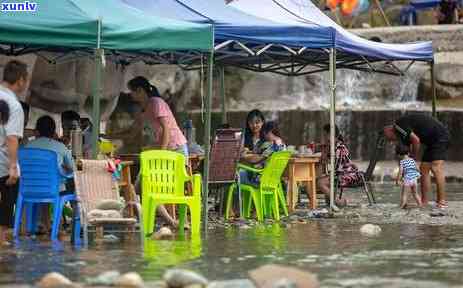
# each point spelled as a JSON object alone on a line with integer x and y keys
{"x": 442, "y": 205}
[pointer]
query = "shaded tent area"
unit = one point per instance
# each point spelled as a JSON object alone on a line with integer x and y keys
{"x": 103, "y": 29}
{"x": 289, "y": 37}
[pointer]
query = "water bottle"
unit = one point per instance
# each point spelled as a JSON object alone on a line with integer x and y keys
{"x": 188, "y": 128}
{"x": 76, "y": 140}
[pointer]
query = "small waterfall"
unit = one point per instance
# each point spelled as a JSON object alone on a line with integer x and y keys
{"x": 356, "y": 90}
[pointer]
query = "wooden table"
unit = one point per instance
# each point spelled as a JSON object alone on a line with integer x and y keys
{"x": 302, "y": 169}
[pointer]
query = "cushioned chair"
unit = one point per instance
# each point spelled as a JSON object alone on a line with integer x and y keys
{"x": 39, "y": 183}
{"x": 93, "y": 184}
{"x": 163, "y": 179}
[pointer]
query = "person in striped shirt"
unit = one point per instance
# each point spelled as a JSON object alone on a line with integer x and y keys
{"x": 408, "y": 176}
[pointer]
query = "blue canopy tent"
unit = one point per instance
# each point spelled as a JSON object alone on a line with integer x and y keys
{"x": 349, "y": 50}
{"x": 245, "y": 40}
{"x": 291, "y": 37}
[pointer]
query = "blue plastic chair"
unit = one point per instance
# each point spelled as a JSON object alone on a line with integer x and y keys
{"x": 39, "y": 182}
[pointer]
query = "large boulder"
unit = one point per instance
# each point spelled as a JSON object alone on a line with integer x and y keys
{"x": 449, "y": 74}
{"x": 449, "y": 82}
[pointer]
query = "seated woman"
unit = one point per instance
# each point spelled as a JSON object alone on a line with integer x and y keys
{"x": 272, "y": 142}
{"x": 253, "y": 137}
{"x": 348, "y": 172}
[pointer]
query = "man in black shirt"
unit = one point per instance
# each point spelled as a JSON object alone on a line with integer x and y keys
{"x": 417, "y": 129}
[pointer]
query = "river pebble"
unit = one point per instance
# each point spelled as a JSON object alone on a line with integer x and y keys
{"x": 239, "y": 283}
{"x": 178, "y": 278}
{"x": 54, "y": 280}
{"x": 370, "y": 230}
{"x": 129, "y": 280}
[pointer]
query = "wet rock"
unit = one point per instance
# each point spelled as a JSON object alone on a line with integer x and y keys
{"x": 110, "y": 238}
{"x": 129, "y": 280}
{"x": 107, "y": 278}
{"x": 370, "y": 230}
{"x": 449, "y": 74}
{"x": 178, "y": 278}
{"x": 54, "y": 280}
{"x": 156, "y": 284}
{"x": 267, "y": 275}
{"x": 284, "y": 283}
{"x": 194, "y": 286}
{"x": 163, "y": 233}
{"x": 240, "y": 283}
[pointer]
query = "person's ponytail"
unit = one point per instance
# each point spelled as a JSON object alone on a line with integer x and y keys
{"x": 154, "y": 92}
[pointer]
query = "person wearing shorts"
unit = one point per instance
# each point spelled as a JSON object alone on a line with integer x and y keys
{"x": 413, "y": 130}
{"x": 408, "y": 176}
{"x": 15, "y": 82}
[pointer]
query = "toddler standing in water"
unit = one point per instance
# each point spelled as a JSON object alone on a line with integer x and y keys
{"x": 408, "y": 176}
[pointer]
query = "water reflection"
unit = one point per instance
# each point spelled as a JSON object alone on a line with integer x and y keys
{"x": 169, "y": 253}
{"x": 405, "y": 255}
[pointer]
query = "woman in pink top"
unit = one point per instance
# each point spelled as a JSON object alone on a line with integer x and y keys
{"x": 166, "y": 133}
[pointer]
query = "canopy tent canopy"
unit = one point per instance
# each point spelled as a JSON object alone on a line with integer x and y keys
{"x": 242, "y": 39}
{"x": 289, "y": 37}
{"x": 84, "y": 25}
{"x": 76, "y": 28}
{"x": 352, "y": 51}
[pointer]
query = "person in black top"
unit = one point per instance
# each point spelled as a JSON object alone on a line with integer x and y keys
{"x": 417, "y": 129}
{"x": 448, "y": 12}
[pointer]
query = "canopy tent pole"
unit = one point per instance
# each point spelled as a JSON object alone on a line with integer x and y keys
{"x": 207, "y": 136}
{"x": 222, "y": 94}
{"x": 97, "y": 93}
{"x": 332, "y": 123}
{"x": 380, "y": 8}
{"x": 434, "y": 91}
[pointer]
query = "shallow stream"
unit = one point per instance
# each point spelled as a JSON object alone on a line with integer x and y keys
{"x": 405, "y": 255}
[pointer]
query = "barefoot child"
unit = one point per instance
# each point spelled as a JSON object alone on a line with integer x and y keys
{"x": 408, "y": 176}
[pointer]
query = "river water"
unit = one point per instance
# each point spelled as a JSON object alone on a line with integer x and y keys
{"x": 405, "y": 255}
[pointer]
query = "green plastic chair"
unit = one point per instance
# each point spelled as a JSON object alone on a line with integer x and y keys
{"x": 163, "y": 176}
{"x": 268, "y": 195}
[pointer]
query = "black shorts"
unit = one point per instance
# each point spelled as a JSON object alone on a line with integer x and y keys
{"x": 8, "y": 196}
{"x": 436, "y": 151}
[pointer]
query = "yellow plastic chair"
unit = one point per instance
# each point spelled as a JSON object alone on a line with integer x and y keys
{"x": 163, "y": 176}
{"x": 268, "y": 194}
